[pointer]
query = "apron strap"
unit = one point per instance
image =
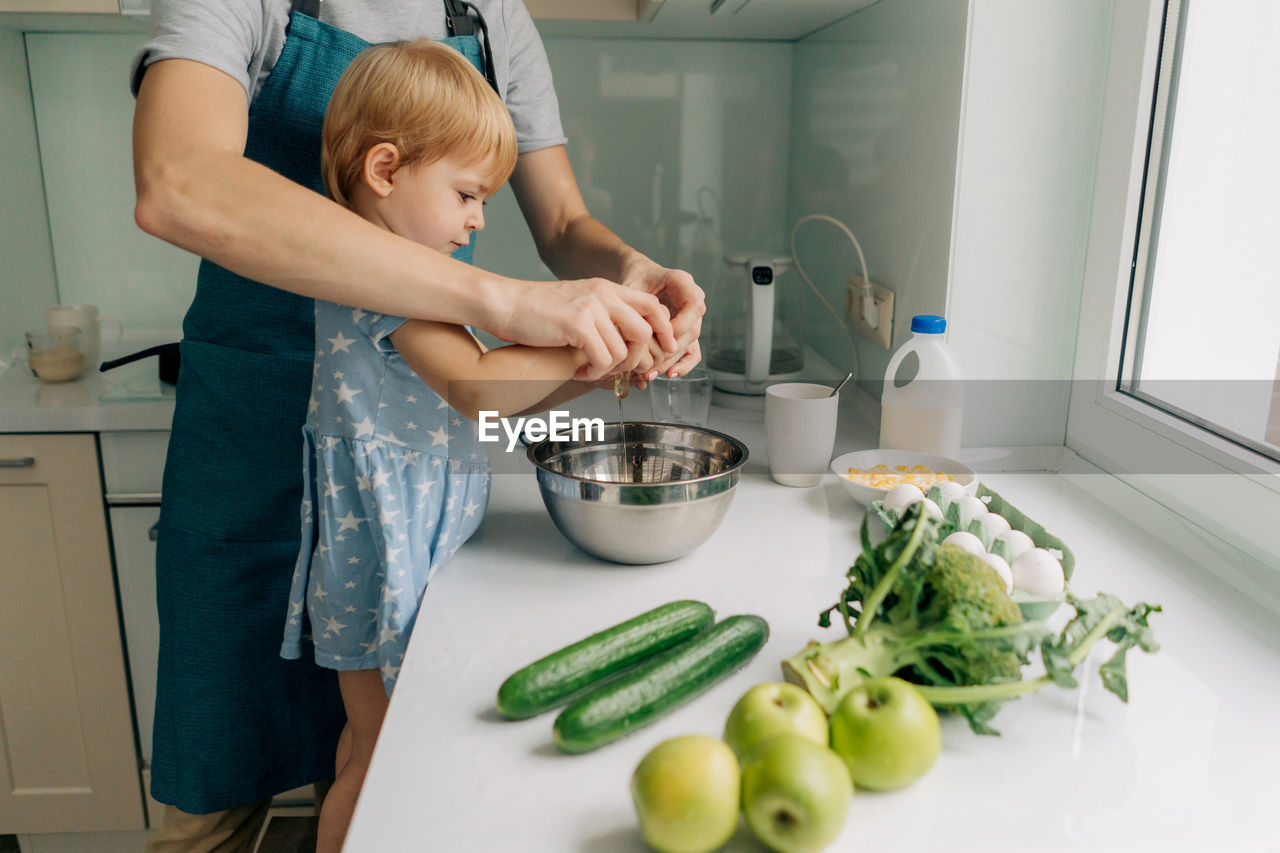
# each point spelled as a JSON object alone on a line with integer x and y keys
{"x": 310, "y": 8}
{"x": 458, "y": 23}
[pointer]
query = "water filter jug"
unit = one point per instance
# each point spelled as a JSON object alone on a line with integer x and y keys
{"x": 927, "y": 412}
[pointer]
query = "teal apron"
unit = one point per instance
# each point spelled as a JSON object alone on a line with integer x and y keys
{"x": 235, "y": 722}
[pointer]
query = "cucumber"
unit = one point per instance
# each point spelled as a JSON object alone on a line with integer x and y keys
{"x": 566, "y": 674}
{"x": 661, "y": 685}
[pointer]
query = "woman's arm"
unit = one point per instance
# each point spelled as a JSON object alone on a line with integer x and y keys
{"x": 508, "y": 380}
{"x": 195, "y": 189}
{"x": 573, "y": 243}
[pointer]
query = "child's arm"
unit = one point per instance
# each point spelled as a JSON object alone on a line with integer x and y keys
{"x": 564, "y": 393}
{"x": 507, "y": 380}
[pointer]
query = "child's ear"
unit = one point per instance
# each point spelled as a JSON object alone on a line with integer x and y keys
{"x": 380, "y": 163}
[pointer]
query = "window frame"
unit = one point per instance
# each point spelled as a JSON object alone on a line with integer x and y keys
{"x": 1215, "y": 484}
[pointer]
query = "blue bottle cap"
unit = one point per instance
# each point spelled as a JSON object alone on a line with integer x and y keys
{"x": 928, "y": 324}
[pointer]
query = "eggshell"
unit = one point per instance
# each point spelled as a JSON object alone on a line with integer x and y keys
{"x": 996, "y": 524}
{"x": 932, "y": 509}
{"x": 1038, "y": 573}
{"x": 1019, "y": 543}
{"x": 902, "y": 496}
{"x": 1002, "y": 569}
{"x": 967, "y": 541}
{"x": 971, "y": 508}
{"x": 952, "y": 491}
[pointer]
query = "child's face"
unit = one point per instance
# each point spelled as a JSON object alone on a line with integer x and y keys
{"x": 438, "y": 204}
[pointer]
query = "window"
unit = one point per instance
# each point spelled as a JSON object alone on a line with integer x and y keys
{"x": 1178, "y": 341}
{"x": 1202, "y": 340}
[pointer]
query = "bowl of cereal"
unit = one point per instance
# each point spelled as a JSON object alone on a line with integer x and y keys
{"x": 870, "y": 474}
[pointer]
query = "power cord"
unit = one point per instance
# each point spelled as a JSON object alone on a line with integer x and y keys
{"x": 870, "y": 312}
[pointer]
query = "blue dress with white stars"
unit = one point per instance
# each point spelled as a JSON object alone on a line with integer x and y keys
{"x": 395, "y": 481}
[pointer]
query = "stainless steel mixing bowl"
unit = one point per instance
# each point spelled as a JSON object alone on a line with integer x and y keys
{"x": 666, "y": 497}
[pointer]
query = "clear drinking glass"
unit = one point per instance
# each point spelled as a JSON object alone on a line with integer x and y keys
{"x": 685, "y": 399}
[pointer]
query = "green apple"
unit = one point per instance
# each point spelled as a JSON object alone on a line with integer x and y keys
{"x": 886, "y": 732}
{"x": 795, "y": 794}
{"x": 686, "y": 792}
{"x": 772, "y": 709}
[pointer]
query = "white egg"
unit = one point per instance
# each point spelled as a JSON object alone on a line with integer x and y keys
{"x": 1038, "y": 573}
{"x": 932, "y": 509}
{"x": 967, "y": 541}
{"x": 902, "y": 496}
{"x": 996, "y": 562}
{"x": 971, "y": 508}
{"x": 996, "y": 524}
{"x": 952, "y": 491}
{"x": 1019, "y": 543}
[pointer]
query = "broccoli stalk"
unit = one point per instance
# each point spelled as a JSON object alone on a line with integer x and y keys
{"x": 940, "y": 617}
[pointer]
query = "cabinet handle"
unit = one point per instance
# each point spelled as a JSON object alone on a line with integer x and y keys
{"x": 22, "y": 462}
{"x": 154, "y": 533}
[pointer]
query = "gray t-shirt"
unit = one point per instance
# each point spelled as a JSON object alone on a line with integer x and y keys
{"x": 243, "y": 38}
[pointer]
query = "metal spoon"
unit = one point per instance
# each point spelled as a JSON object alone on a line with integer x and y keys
{"x": 836, "y": 390}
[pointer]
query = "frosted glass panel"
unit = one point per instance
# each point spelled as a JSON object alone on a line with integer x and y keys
{"x": 84, "y": 114}
{"x": 26, "y": 262}
{"x": 876, "y": 108}
{"x": 660, "y": 134}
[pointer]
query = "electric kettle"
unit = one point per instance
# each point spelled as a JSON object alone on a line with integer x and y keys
{"x": 752, "y": 314}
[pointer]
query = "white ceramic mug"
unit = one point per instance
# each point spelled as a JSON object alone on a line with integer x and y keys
{"x": 799, "y": 431}
{"x": 83, "y": 316}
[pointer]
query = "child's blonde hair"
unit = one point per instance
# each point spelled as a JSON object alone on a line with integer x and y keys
{"x": 423, "y": 97}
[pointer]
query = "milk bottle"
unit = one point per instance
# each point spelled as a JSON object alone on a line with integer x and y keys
{"x": 925, "y": 414}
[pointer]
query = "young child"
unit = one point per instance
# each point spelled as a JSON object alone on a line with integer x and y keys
{"x": 396, "y": 479}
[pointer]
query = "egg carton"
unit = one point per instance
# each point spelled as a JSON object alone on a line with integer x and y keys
{"x": 954, "y": 520}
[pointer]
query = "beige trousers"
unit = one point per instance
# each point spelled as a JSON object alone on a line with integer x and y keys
{"x": 231, "y": 831}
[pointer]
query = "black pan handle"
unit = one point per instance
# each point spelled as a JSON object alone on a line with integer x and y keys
{"x": 170, "y": 356}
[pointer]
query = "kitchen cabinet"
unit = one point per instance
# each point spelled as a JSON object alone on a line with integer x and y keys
{"x": 69, "y": 760}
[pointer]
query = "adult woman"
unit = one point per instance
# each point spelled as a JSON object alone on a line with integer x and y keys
{"x": 226, "y": 152}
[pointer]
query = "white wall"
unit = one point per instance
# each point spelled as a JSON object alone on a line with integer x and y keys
{"x": 1028, "y": 136}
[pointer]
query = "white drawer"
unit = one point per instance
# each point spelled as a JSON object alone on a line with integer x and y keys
{"x": 133, "y": 464}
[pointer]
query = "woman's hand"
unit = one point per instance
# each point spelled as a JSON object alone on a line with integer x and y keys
{"x": 615, "y": 326}
{"x": 681, "y": 296}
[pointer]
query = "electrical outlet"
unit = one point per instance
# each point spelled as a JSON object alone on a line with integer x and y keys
{"x": 882, "y": 332}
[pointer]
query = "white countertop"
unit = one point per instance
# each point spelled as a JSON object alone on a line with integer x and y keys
{"x": 1187, "y": 765}
{"x": 130, "y": 397}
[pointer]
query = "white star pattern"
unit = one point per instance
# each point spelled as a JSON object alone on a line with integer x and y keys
{"x": 341, "y": 344}
{"x": 395, "y": 507}
{"x": 350, "y": 522}
{"x": 439, "y": 436}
